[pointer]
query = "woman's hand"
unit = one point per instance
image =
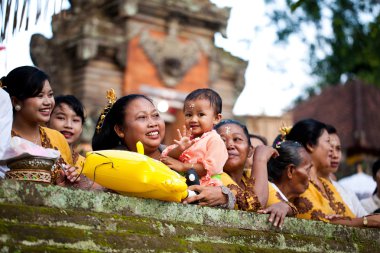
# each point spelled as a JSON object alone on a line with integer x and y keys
{"x": 174, "y": 164}
{"x": 184, "y": 141}
{"x": 263, "y": 152}
{"x": 207, "y": 196}
{"x": 277, "y": 213}
{"x": 68, "y": 174}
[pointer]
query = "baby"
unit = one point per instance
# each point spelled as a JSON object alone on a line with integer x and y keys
{"x": 199, "y": 146}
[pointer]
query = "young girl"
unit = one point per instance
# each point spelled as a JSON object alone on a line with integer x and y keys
{"x": 199, "y": 146}
{"x": 68, "y": 118}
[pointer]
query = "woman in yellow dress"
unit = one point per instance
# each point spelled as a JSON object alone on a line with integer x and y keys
{"x": 289, "y": 177}
{"x": 33, "y": 101}
{"x": 250, "y": 188}
{"x": 321, "y": 201}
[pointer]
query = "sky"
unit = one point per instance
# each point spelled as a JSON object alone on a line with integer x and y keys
{"x": 276, "y": 74}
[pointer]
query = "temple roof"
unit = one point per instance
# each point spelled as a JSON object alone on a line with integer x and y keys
{"x": 353, "y": 109}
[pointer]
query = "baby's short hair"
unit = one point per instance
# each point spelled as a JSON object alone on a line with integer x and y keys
{"x": 210, "y": 95}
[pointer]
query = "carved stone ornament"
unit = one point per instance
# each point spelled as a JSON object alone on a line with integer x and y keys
{"x": 172, "y": 58}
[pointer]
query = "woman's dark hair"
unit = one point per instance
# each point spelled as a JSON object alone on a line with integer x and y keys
{"x": 288, "y": 154}
{"x": 73, "y": 103}
{"x": 235, "y": 122}
{"x": 24, "y": 82}
{"x": 107, "y": 138}
{"x": 331, "y": 129}
{"x": 210, "y": 95}
{"x": 306, "y": 132}
{"x": 375, "y": 169}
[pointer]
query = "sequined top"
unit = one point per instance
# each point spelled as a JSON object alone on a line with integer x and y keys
{"x": 246, "y": 199}
{"x": 315, "y": 205}
{"x": 55, "y": 140}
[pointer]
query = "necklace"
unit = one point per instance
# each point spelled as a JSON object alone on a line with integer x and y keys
{"x": 35, "y": 140}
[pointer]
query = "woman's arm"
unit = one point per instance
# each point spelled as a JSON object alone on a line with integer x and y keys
{"x": 260, "y": 172}
{"x": 372, "y": 221}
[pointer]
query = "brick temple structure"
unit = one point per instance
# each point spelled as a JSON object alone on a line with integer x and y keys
{"x": 161, "y": 48}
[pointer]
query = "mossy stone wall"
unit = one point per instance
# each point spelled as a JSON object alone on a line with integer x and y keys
{"x": 40, "y": 218}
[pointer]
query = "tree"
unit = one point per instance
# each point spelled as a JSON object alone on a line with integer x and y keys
{"x": 351, "y": 50}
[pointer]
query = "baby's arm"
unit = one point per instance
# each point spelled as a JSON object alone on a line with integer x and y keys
{"x": 179, "y": 166}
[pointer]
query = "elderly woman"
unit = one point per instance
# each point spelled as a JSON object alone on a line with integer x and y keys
{"x": 321, "y": 200}
{"x": 249, "y": 187}
{"x": 289, "y": 176}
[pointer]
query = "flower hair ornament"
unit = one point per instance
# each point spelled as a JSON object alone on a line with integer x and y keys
{"x": 111, "y": 96}
{"x": 284, "y": 130}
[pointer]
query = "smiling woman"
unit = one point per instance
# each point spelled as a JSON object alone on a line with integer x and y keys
{"x": 32, "y": 100}
{"x": 131, "y": 118}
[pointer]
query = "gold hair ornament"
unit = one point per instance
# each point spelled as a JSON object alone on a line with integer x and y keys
{"x": 111, "y": 96}
{"x": 284, "y": 131}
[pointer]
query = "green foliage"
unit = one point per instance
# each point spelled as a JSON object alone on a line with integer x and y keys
{"x": 351, "y": 50}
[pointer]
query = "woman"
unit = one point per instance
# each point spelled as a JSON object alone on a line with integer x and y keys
{"x": 251, "y": 194}
{"x": 130, "y": 119}
{"x": 33, "y": 101}
{"x": 289, "y": 176}
{"x": 321, "y": 201}
{"x": 348, "y": 196}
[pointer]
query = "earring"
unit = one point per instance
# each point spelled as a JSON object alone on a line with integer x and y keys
{"x": 17, "y": 107}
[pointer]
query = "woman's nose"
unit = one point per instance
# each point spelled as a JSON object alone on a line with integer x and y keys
{"x": 152, "y": 122}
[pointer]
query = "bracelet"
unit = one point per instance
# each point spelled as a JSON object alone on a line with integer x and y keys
{"x": 365, "y": 221}
{"x": 231, "y": 200}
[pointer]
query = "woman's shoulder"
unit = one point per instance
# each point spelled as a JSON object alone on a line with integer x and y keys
{"x": 52, "y": 133}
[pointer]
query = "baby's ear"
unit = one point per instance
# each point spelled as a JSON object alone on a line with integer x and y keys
{"x": 217, "y": 118}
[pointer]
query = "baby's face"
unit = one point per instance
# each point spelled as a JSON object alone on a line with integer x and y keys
{"x": 66, "y": 121}
{"x": 200, "y": 116}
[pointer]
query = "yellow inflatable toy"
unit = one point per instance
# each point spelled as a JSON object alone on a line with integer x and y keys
{"x": 135, "y": 174}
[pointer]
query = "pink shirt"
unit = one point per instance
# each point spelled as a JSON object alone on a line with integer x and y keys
{"x": 208, "y": 150}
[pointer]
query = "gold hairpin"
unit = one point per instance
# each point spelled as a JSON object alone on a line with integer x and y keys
{"x": 111, "y": 96}
{"x": 284, "y": 131}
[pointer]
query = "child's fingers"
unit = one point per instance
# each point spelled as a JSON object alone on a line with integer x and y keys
{"x": 184, "y": 131}
{"x": 179, "y": 134}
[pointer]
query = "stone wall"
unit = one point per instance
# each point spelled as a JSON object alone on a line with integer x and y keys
{"x": 40, "y": 218}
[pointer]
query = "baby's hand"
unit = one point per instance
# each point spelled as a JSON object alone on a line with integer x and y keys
{"x": 184, "y": 141}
